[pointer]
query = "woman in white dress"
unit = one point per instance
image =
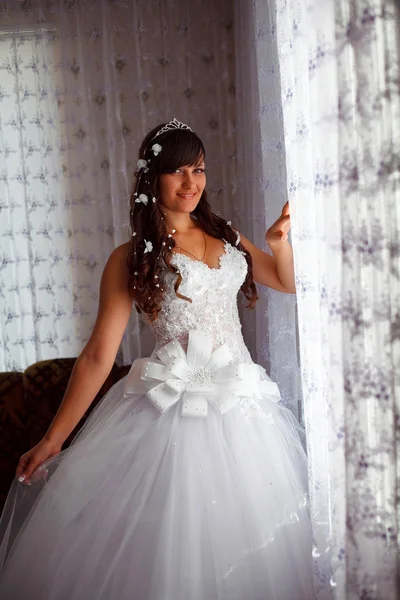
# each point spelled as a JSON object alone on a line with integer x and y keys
{"x": 188, "y": 480}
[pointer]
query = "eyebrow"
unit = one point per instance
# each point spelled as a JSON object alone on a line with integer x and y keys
{"x": 194, "y": 166}
{"x": 202, "y": 164}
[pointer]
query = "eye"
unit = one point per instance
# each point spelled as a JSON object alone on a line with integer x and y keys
{"x": 198, "y": 170}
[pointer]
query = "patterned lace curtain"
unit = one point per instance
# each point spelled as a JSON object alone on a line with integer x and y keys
{"x": 81, "y": 83}
{"x": 328, "y": 72}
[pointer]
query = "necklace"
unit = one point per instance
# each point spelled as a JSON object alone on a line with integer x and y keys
{"x": 205, "y": 249}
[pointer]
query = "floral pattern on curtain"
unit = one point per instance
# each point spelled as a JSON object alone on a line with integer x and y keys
{"x": 319, "y": 102}
{"x": 340, "y": 91}
{"x": 81, "y": 83}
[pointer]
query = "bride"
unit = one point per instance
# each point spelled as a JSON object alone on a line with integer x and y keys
{"x": 188, "y": 481}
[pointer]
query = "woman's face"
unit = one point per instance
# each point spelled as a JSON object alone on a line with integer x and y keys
{"x": 181, "y": 190}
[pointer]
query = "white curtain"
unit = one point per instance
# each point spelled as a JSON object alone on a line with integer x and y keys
{"x": 81, "y": 83}
{"x": 270, "y": 331}
{"x": 327, "y": 74}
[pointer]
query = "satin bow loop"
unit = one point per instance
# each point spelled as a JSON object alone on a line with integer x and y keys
{"x": 198, "y": 377}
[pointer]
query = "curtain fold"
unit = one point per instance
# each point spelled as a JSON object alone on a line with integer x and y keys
{"x": 319, "y": 123}
{"x": 328, "y": 73}
{"x": 271, "y": 330}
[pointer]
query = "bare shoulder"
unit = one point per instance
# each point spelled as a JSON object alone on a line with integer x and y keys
{"x": 116, "y": 272}
{"x": 118, "y": 258}
{"x": 120, "y": 253}
{"x": 256, "y": 253}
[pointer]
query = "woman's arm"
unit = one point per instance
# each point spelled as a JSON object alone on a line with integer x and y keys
{"x": 97, "y": 358}
{"x": 275, "y": 271}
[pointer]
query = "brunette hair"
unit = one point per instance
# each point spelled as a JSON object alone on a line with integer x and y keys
{"x": 180, "y": 147}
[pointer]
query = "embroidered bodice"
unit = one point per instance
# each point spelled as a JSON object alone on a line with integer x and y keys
{"x": 214, "y": 302}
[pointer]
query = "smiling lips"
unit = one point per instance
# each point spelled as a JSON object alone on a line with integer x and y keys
{"x": 187, "y": 196}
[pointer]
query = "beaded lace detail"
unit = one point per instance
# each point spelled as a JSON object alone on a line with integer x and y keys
{"x": 213, "y": 309}
{"x": 214, "y": 302}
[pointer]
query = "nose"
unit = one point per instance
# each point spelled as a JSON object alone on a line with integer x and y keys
{"x": 188, "y": 180}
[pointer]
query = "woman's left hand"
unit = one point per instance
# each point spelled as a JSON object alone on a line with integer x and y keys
{"x": 278, "y": 232}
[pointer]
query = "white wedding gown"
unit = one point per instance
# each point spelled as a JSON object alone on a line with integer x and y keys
{"x": 187, "y": 482}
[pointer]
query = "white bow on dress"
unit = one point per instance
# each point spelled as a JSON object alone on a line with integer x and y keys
{"x": 198, "y": 377}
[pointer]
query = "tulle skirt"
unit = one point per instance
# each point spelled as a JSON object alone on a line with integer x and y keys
{"x": 155, "y": 506}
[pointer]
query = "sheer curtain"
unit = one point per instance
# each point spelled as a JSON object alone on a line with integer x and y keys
{"x": 330, "y": 75}
{"x": 81, "y": 83}
{"x": 270, "y": 331}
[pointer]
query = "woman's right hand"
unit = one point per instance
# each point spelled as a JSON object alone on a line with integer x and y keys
{"x": 31, "y": 460}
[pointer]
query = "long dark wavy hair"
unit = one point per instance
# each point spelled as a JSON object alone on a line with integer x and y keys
{"x": 180, "y": 147}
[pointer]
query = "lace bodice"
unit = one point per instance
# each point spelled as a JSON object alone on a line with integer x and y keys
{"x": 214, "y": 302}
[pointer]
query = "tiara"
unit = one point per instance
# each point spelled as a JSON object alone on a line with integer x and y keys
{"x": 174, "y": 124}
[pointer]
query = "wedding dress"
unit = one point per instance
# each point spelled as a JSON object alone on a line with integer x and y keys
{"x": 187, "y": 482}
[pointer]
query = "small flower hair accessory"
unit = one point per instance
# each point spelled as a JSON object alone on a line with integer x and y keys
{"x": 143, "y": 198}
{"x": 156, "y": 149}
{"x": 141, "y": 163}
{"x": 149, "y": 247}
